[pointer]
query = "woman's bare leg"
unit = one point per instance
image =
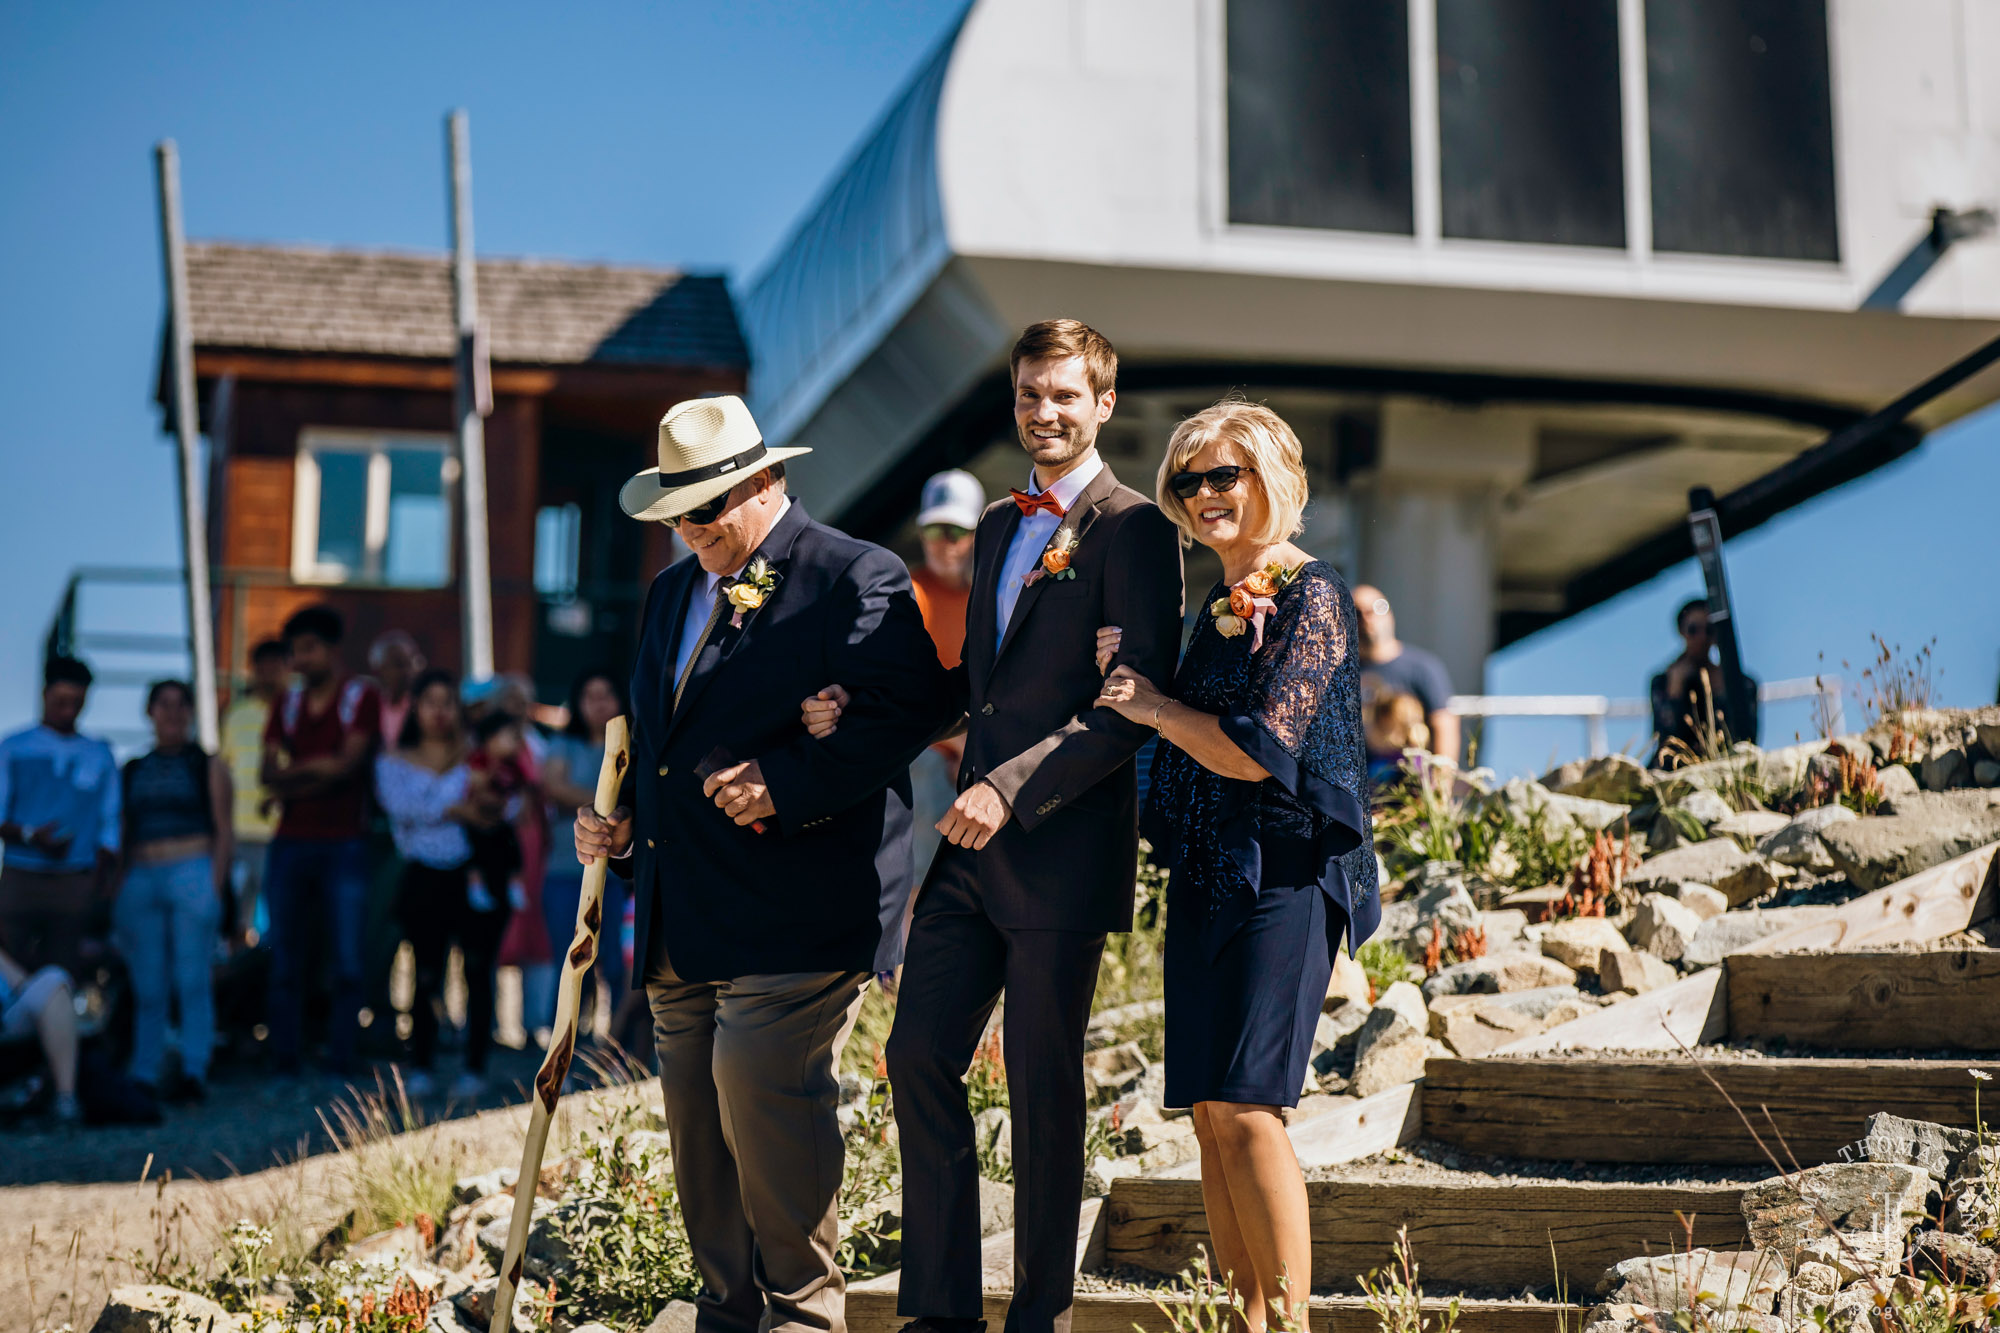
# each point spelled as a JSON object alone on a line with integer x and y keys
{"x": 56, "y": 1025}
{"x": 1229, "y": 1255}
{"x": 1267, "y": 1194}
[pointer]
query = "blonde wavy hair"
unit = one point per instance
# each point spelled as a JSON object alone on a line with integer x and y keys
{"x": 1261, "y": 440}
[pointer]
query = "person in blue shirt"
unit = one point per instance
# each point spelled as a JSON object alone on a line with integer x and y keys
{"x": 59, "y": 817}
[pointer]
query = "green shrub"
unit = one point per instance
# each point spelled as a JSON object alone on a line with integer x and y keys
{"x": 1386, "y": 964}
{"x": 623, "y": 1231}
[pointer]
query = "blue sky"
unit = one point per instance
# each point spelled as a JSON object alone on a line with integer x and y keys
{"x": 674, "y": 133}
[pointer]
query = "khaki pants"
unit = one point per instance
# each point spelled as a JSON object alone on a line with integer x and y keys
{"x": 749, "y": 1071}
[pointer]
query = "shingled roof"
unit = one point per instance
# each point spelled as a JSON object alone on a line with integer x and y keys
{"x": 380, "y": 303}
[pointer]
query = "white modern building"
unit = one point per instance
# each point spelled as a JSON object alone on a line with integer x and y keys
{"x": 1522, "y": 272}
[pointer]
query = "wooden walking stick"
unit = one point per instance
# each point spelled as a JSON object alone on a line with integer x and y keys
{"x": 562, "y": 1040}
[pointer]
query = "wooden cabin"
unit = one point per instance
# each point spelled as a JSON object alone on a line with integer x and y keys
{"x": 325, "y": 379}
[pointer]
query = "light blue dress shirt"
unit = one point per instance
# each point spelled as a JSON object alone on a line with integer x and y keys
{"x": 1034, "y": 532}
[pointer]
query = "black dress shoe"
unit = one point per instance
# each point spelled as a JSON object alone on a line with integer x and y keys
{"x": 939, "y": 1324}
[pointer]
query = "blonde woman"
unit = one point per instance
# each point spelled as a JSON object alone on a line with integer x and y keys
{"x": 1259, "y": 804}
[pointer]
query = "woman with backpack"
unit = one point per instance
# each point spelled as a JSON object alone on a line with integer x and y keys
{"x": 178, "y": 842}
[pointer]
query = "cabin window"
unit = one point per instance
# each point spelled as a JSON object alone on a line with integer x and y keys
{"x": 373, "y": 509}
{"x": 1740, "y": 110}
{"x": 1319, "y": 114}
{"x": 1529, "y": 121}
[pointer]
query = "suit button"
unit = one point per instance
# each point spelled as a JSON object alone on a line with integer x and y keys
{"x": 663, "y": 770}
{"x": 649, "y": 843}
{"x": 986, "y": 711}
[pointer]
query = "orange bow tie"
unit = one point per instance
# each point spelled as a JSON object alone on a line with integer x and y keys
{"x": 1030, "y": 503}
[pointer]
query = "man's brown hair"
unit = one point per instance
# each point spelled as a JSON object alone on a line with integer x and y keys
{"x": 1060, "y": 339}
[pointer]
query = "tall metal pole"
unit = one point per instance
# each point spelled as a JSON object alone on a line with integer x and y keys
{"x": 194, "y": 508}
{"x": 477, "y": 573}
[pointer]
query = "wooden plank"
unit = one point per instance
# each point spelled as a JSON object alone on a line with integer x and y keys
{"x": 1389, "y": 1119}
{"x": 996, "y": 1254}
{"x": 1470, "y": 1233}
{"x": 874, "y": 1311}
{"x": 1927, "y": 906}
{"x": 1946, "y": 1000}
{"x": 1694, "y": 1009}
{"x": 1350, "y": 1132}
{"x": 1662, "y": 1110}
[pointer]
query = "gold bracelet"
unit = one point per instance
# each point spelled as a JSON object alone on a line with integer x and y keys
{"x": 1157, "y": 710}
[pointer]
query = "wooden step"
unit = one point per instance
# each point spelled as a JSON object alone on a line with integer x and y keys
{"x": 1466, "y": 1233}
{"x": 874, "y": 1311}
{"x": 1870, "y": 1001}
{"x": 1613, "y": 1108}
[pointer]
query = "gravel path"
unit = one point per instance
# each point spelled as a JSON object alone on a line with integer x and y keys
{"x": 1427, "y": 1162}
{"x": 250, "y": 1121}
{"x": 65, "y": 1245}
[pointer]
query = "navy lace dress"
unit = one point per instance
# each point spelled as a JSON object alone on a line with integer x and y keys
{"x": 1267, "y": 876}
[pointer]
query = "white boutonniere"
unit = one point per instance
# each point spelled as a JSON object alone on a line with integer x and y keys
{"x": 750, "y": 590}
{"x": 1055, "y": 557}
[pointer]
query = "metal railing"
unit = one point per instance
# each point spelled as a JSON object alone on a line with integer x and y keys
{"x": 1593, "y": 710}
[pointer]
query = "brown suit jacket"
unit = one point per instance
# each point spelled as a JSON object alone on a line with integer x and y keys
{"x": 1065, "y": 860}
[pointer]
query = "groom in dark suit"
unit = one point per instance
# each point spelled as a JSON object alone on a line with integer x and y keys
{"x": 763, "y": 862}
{"x": 1042, "y": 842}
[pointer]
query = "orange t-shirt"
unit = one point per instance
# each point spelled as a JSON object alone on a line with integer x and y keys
{"x": 943, "y": 609}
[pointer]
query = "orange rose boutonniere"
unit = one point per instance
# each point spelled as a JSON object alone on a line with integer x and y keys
{"x": 1249, "y": 601}
{"x": 1056, "y": 557}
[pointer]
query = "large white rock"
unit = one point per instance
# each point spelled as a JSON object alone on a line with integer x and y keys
{"x": 1719, "y": 863}
{"x": 1347, "y": 985}
{"x": 1700, "y": 899}
{"x": 1577, "y": 943}
{"x": 1404, "y": 998}
{"x": 1749, "y": 826}
{"x": 1390, "y": 1050}
{"x": 1723, "y": 1279}
{"x": 158, "y": 1309}
{"x": 1499, "y": 974}
{"x": 1921, "y": 830}
{"x": 1707, "y": 808}
{"x": 1663, "y": 926}
{"x": 1731, "y": 931}
{"x": 1472, "y": 1025}
{"x": 1630, "y": 971}
{"x": 1896, "y": 781}
{"x": 1520, "y": 797}
{"x": 1873, "y": 1205}
{"x": 1798, "y": 842}
{"x": 1607, "y": 777}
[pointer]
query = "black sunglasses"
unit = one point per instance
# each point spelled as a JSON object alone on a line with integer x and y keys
{"x": 707, "y": 513}
{"x": 945, "y": 532}
{"x": 1221, "y": 480}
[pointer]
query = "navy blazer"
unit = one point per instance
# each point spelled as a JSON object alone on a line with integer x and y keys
{"x": 825, "y": 887}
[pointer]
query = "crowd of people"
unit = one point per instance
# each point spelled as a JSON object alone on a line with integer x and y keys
{"x": 347, "y": 817}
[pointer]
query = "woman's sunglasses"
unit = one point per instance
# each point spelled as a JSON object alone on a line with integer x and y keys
{"x": 945, "y": 532}
{"x": 1221, "y": 480}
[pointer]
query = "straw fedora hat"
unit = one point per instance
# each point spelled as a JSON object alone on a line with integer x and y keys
{"x": 707, "y": 445}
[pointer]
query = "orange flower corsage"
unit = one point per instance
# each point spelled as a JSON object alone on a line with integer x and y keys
{"x": 1243, "y": 611}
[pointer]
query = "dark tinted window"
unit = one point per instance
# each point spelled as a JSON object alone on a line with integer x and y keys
{"x": 1529, "y": 121}
{"x": 1742, "y": 128}
{"x": 1319, "y": 114}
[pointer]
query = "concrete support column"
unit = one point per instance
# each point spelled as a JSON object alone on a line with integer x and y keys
{"x": 1429, "y": 530}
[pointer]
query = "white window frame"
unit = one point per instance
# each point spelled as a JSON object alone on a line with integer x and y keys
{"x": 375, "y": 445}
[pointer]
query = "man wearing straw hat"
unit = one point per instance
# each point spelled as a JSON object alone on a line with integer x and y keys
{"x": 763, "y": 862}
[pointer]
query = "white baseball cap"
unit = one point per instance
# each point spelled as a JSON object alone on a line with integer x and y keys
{"x": 954, "y": 497}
